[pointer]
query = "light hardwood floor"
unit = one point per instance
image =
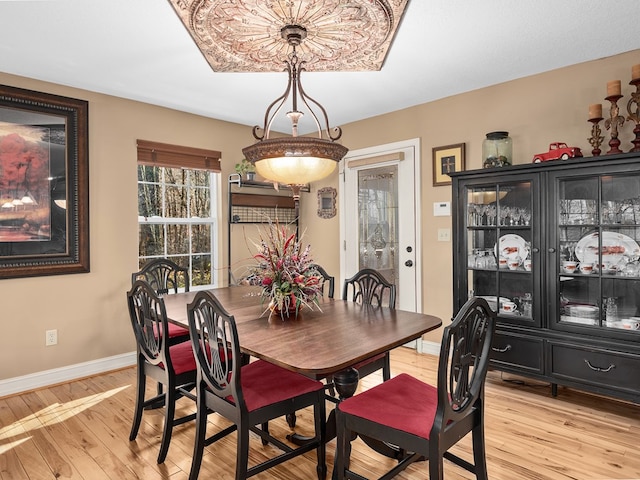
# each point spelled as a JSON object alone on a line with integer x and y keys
{"x": 80, "y": 430}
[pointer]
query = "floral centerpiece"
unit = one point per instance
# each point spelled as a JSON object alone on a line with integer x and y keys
{"x": 286, "y": 272}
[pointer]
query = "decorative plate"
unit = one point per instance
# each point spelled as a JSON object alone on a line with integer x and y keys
{"x": 614, "y": 247}
{"x": 512, "y": 246}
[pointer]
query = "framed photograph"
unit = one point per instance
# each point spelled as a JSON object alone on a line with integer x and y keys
{"x": 447, "y": 160}
{"x": 44, "y": 184}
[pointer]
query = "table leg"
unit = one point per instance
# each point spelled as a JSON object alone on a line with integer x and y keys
{"x": 346, "y": 383}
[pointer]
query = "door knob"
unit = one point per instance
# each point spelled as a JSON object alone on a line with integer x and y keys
{"x": 409, "y": 263}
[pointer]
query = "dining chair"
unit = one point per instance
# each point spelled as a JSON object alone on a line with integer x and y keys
{"x": 369, "y": 287}
{"x": 248, "y": 395}
{"x": 425, "y": 421}
{"x": 172, "y": 366}
{"x": 327, "y": 280}
{"x": 165, "y": 276}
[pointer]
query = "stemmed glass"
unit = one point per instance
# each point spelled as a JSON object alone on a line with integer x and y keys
{"x": 491, "y": 214}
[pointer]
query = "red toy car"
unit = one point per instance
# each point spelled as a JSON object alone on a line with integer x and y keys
{"x": 557, "y": 150}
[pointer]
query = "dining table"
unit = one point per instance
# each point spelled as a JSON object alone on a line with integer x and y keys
{"x": 322, "y": 340}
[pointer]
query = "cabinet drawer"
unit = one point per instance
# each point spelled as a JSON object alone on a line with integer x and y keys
{"x": 517, "y": 351}
{"x": 598, "y": 367}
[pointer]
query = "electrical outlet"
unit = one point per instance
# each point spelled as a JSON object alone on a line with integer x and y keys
{"x": 51, "y": 337}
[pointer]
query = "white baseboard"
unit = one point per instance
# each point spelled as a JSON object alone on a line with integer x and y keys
{"x": 430, "y": 348}
{"x": 45, "y": 378}
{"x": 11, "y": 386}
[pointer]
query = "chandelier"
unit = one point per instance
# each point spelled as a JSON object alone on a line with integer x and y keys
{"x": 246, "y": 36}
{"x": 295, "y": 160}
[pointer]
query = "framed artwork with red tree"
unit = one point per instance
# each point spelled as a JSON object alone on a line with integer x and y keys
{"x": 44, "y": 184}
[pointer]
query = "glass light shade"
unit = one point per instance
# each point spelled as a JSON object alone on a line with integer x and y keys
{"x": 295, "y": 170}
{"x": 294, "y": 160}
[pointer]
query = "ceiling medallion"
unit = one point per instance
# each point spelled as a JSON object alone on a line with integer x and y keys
{"x": 244, "y": 35}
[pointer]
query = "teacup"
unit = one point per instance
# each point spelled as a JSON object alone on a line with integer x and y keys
{"x": 513, "y": 264}
{"x": 630, "y": 324}
{"x": 569, "y": 266}
{"x": 585, "y": 268}
{"x": 527, "y": 264}
{"x": 508, "y": 307}
{"x": 502, "y": 262}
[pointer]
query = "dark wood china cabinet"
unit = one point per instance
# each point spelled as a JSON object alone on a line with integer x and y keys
{"x": 554, "y": 248}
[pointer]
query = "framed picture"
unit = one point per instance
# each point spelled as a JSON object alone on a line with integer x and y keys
{"x": 447, "y": 160}
{"x": 44, "y": 184}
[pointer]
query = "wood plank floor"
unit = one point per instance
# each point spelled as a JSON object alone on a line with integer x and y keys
{"x": 80, "y": 430}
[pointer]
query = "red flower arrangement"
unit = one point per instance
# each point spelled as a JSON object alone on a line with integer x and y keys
{"x": 286, "y": 272}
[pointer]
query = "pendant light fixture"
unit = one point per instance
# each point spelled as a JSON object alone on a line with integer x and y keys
{"x": 295, "y": 160}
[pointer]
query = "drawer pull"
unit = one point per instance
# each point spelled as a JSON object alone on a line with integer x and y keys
{"x": 599, "y": 369}
{"x": 501, "y": 350}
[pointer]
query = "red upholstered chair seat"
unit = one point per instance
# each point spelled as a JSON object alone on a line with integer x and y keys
{"x": 175, "y": 331}
{"x": 182, "y": 358}
{"x": 259, "y": 378}
{"x": 414, "y": 405}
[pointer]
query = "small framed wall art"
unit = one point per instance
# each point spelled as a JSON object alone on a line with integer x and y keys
{"x": 446, "y": 160}
{"x": 327, "y": 202}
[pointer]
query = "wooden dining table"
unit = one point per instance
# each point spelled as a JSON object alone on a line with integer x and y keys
{"x": 327, "y": 340}
{"x": 319, "y": 341}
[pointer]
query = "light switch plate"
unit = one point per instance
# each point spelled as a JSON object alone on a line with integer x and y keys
{"x": 444, "y": 234}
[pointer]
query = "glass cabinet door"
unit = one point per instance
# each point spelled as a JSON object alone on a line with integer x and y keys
{"x": 597, "y": 244}
{"x": 500, "y": 264}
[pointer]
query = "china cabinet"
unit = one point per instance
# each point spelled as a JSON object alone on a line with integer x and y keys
{"x": 554, "y": 248}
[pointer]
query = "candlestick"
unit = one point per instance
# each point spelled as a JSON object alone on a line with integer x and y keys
{"x": 635, "y": 116}
{"x": 614, "y": 88}
{"x": 596, "y": 138}
{"x": 595, "y": 111}
{"x": 614, "y": 121}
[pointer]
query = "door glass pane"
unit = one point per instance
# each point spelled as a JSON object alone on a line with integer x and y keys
{"x": 378, "y": 217}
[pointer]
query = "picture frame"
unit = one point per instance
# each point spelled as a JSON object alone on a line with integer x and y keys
{"x": 447, "y": 159}
{"x": 44, "y": 184}
{"x": 327, "y": 202}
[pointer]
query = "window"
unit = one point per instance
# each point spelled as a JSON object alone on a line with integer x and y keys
{"x": 176, "y": 217}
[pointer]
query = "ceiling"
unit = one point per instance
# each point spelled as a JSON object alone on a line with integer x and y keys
{"x": 140, "y": 50}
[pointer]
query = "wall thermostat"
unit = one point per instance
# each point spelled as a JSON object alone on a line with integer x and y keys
{"x": 441, "y": 209}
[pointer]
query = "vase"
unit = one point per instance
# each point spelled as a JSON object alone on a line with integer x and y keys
{"x": 289, "y": 312}
{"x": 497, "y": 149}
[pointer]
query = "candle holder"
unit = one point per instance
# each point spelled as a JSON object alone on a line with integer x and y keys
{"x": 596, "y": 138}
{"x": 635, "y": 116}
{"x": 614, "y": 121}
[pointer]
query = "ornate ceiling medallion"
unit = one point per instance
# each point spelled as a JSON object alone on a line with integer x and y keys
{"x": 244, "y": 35}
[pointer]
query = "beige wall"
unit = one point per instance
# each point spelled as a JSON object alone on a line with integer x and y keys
{"x": 89, "y": 310}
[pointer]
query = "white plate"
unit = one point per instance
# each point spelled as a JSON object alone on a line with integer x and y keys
{"x": 614, "y": 247}
{"x": 511, "y": 246}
